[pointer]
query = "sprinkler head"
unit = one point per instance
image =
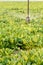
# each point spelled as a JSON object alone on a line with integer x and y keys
{"x": 28, "y": 19}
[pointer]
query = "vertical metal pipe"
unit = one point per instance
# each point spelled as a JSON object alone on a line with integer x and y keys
{"x": 27, "y": 18}
{"x": 28, "y": 8}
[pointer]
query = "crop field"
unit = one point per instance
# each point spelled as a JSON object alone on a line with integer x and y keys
{"x": 21, "y": 42}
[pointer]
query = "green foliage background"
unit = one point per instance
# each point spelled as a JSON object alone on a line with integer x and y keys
{"x": 21, "y": 43}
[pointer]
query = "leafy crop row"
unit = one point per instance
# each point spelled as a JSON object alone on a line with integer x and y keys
{"x": 21, "y": 43}
{"x": 31, "y": 57}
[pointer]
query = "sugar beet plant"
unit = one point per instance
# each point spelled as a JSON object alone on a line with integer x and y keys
{"x": 21, "y": 43}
